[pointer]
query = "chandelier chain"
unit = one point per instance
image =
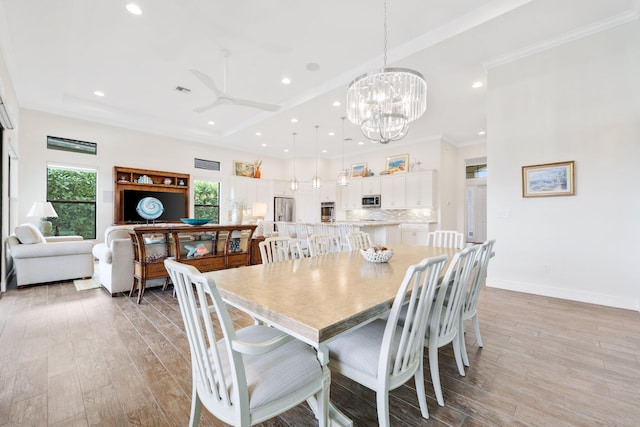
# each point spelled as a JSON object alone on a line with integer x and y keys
{"x": 385, "y": 34}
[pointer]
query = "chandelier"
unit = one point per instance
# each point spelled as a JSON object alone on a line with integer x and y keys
{"x": 293, "y": 184}
{"x": 343, "y": 176}
{"x": 384, "y": 103}
{"x": 316, "y": 182}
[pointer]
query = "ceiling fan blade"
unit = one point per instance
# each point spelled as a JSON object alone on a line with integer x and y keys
{"x": 255, "y": 104}
{"x": 211, "y": 106}
{"x": 207, "y": 81}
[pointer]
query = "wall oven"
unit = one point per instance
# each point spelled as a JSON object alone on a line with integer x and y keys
{"x": 327, "y": 211}
{"x": 371, "y": 201}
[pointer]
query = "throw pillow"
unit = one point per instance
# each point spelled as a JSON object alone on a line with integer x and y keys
{"x": 29, "y": 234}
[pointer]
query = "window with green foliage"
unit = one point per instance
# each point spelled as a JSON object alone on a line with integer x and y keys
{"x": 206, "y": 200}
{"x": 72, "y": 192}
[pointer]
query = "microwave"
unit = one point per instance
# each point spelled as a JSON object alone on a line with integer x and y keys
{"x": 371, "y": 201}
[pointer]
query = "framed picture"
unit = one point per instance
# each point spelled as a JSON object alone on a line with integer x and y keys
{"x": 550, "y": 179}
{"x": 243, "y": 168}
{"x": 358, "y": 170}
{"x": 397, "y": 164}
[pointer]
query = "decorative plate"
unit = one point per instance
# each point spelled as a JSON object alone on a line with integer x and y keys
{"x": 196, "y": 221}
{"x": 150, "y": 208}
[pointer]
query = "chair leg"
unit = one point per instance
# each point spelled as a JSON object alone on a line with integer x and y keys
{"x": 422, "y": 398}
{"x": 435, "y": 372}
{"x": 457, "y": 353}
{"x": 476, "y": 328}
{"x": 382, "y": 400}
{"x": 463, "y": 344}
{"x": 196, "y": 408}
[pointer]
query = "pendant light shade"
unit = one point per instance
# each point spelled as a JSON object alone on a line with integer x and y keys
{"x": 293, "y": 184}
{"x": 316, "y": 182}
{"x": 343, "y": 176}
{"x": 384, "y": 103}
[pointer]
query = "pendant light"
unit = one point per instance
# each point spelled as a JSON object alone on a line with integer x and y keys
{"x": 293, "y": 184}
{"x": 384, "y": 103}
{"x": 315, "y": 182}
{"x": 343, "y": 176}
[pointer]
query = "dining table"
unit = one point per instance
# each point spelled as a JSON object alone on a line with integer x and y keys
{"x": 316, "y": 299}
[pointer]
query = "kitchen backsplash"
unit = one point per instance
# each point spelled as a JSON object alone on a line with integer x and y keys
{"x": 400, "y": 215}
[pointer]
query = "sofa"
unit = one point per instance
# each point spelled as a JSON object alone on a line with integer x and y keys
{"x": 115, "y": 260}
{"x": 39, "y": 259}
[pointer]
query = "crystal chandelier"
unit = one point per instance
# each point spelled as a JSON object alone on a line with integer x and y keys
{"x": 315, "y": 182}
{"x": 384, "y": 103}
{"x": 293, "y": 184}
{"x": 343, "y": 176}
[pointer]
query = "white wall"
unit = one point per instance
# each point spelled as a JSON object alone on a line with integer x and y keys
{"x": 579, "y": 101}
{"x": 117, "y": 147}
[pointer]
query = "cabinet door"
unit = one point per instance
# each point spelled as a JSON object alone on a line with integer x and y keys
{"x": 414, "y": 237}
{"x": 371, "y": 185}
{"x": 328, "y": 191}
{"x": 420, "y": 189}
{"x": 281, "y": 188}
{"x": 392, "y": 191}
{"x": 354, "y": 194}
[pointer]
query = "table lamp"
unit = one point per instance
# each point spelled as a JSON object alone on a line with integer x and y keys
{"x": 43, "y": 210}
{"x": 259, "y": 211}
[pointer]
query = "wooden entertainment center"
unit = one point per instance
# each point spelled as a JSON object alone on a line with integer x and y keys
{"x": 146, "y": 180}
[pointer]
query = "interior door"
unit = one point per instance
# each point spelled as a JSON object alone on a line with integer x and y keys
{"x": 476, "y": 213}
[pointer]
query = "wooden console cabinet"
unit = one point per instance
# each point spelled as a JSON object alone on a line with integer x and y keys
{"x": 207, "y": 247}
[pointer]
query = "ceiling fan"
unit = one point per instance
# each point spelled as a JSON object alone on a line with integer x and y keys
{"x": 222, "y": 96}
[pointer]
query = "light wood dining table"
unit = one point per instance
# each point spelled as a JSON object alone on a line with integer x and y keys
{"x": 316, "y": 299}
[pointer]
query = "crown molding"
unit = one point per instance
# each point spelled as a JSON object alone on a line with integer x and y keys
{"x": 579, "y": 33}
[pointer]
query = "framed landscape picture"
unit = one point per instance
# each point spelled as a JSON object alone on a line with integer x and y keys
{"x": 358, "y": 170}
{"x": 243, "y": 168}
{"x": 396, "y": 164}
{"x": 550, "y": 179}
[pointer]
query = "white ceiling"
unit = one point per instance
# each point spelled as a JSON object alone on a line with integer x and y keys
{"x": 59, "y": 52}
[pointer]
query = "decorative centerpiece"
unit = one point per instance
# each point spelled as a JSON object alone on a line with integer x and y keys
{"x": 377, "y": 254}
{"x": 195, "y": 221}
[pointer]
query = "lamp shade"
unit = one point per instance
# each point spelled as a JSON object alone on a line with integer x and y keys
{"x": 42, "y": 210}
{"x": 259, "y": 209}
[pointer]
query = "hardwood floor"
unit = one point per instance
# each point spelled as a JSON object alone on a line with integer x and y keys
{"x": 71, "y": 358}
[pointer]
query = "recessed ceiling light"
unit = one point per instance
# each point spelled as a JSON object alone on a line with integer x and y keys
{"x": 294, "y": 120}
{"x": 211, "y": 122}
{"x": 134, "y": 9}
{"x": 476, "y": 85}
{"x": 481, "y": 132}
{"x": 324, "y": 151}
{"x": 286, "y": 80}
{"x": 98, "y": 93}
{"x": 258, "y": 133}
{"x": 360, "y": 143}
{"x": 286, "y": 150}
{"x": 312, "y": 66}
{"x": 336, "y": 103}
{"x": 332, "y": 133}
{"x": 263, "y": 144}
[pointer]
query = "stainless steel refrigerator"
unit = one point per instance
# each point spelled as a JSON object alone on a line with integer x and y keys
{"x": 284, "y": 209}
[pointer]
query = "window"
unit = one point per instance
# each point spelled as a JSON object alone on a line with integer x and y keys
{"x": 477, "y": 171}
{"x": 72, "y": 192}
{"x": 206, "y": 201}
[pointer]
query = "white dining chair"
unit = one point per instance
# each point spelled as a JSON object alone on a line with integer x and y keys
{"x": 383, "y": 355}
{"x": 343, "y": 230}
{"x": 445, "y": 239}
{"x": 302, "y": 234}
{"x": 443, "y": 325}
{"x": 249, "y": 375}
{"x": 282, "y": 229}
{"x": 470, "y": 304}
{"x": 278, "y": 249}
{"x": 323, "y": 244}
{"x": 358, "y": 240}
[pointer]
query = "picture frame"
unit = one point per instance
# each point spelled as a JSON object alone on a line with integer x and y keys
{"x": 241, "y": 168}
{"x": 398, "y": 164}
{"x": 549, "y": 179}
{"x": 358, "y": 170}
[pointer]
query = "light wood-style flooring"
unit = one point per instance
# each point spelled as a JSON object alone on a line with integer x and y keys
{"x": 71, "y": 358}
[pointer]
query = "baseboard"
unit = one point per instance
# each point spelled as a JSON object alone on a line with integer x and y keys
{"x": 568, "y": 294}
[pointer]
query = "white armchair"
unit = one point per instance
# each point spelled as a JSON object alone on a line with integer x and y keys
{"x": 37, "y": 259}
{"x": 115, "y": 259}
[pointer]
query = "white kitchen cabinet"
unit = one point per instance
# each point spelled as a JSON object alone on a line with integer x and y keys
{"x": 328, "y": 191}
{"x": 370, "y": 185}
{"x": 354, "y": 194}
{"x": 414, "y": 234}
{"x": 307, "y": 203}
{"x": 281, "y": 188}
{"x": 392, "y": 191}
{"x": 420, "y": 189}
{"x": 249, "y": 190}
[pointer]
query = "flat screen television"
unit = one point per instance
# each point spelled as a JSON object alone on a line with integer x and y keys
{"x": 173, "y": 204}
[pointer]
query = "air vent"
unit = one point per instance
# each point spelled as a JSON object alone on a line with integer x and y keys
{"x": 211, "y": 165}
{"x": 183, "y": 89}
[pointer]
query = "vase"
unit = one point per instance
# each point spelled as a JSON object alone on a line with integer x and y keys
{"x": 257, "y": 173}
{"x": 236, "y": 215}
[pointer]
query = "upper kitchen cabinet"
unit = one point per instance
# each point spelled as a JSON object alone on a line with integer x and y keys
{"x": 393, "y": 191}
{"x": 421, "y": 189}
{"x": 370, "y": 185}
{"x": 281, "y": 188}
{"x": 249, "y": 190}
{"x": 328, "y": 191}
{"x": 354, "y": 194}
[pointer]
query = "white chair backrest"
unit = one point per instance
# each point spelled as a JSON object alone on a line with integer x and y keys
{"x": 358, "y": 240}
{"x": 213, "y": 375}
{"x": 444, "y": 319}
{"x": 478, "y": 276}
{"x": 282, "y": 228}
{"x": 278, "y": 249}
{"x": 320, "y": 228}
{"x": 445, "y": 239}
{"x": 422, "y": 279}
{"x": 268, "y": 228}
{"x": 323, "y": 244}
